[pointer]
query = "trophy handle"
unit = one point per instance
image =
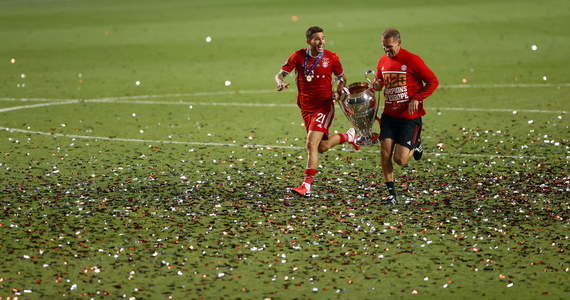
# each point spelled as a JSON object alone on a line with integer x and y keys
{"x": 335, "y": 86}
{"x": 368, "y": 73}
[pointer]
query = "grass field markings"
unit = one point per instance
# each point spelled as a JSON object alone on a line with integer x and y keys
{"x": 136, "y": 97}
{"x": 35, "y": 1}
{"x": 190, "y": 103}
{"x": 7, "y": 109}
{"x": 6, "y": 99}
{"x": 509, "y": 110}
{"x": 295, "y": 105}
{"x": 113, "y": 100}
{"x": 247, "y": 92}
{"x": 436, "y": 154}
{"x": 142, "y": 140}
{"x": 505, "y": 85}
{"x": 128, "y": 100}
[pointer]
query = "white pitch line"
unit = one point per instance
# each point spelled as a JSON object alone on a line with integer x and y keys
{"x": 247, "y": 92}
{"x": 73, "y": 136}
{"x": 510, "y": 110}
{"x": 505, "y": 85}
{"x": 295, "y": 105}
{"x": 124, "y": 100}
{"x": 178, "y": 95}
{"x": 142, "y": 140}
{"x": 189, "y": 103}
{"x": 129, "y": 100}
{"x": 37, "y": 105}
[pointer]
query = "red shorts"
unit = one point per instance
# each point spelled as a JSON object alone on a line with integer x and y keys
{"x": 319, "y": 121}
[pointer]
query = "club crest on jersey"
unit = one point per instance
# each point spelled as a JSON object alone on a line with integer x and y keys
{"x": 404, "y": 67}
{"x": 325, "y": 62}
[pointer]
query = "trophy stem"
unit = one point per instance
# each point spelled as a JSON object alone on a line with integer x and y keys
{"x": 368, "y": 138}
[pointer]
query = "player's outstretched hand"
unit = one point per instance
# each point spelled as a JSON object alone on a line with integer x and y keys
{"x": 282, "y": 86}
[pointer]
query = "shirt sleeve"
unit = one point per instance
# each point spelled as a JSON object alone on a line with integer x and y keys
{"x": 427, "y": 78}
{"x": 337, "y": 66}
{"x": 290, "y": 64}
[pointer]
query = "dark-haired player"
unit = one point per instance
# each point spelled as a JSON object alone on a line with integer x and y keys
{"x": 314, "y": 68}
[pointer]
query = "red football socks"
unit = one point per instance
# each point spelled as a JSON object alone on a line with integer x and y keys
{"x": 343, "y": 137}
{"x": 309, "y": 175}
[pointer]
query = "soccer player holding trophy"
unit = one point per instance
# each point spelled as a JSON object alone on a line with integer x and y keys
{"x": 407, "y": 82}
{"x": 314, "y": 67}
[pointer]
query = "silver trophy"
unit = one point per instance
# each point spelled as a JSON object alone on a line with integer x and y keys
{"x": 359, "y": 104}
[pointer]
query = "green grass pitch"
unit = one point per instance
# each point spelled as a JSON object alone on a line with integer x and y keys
{"x": 145, "y": 154}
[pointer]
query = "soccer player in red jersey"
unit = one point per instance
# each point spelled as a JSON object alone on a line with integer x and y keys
{"x": 314, "y": 67}
{"x": 407, "y": 82}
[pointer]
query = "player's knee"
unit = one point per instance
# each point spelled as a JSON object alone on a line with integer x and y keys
{"x": 386, "y": 154}
{"x": 311, "y": 147}
{"x": 401, "y": 161}
{"x": 323, "y": 148}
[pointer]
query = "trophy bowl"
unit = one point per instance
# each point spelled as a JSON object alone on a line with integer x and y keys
{"x": 359, "y": 104}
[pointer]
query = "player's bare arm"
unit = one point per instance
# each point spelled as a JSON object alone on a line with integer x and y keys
{"x": 281, "y": 85}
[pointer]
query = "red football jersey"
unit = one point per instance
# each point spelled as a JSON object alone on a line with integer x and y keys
{"x": 405, "y": 77}
{"x": 316, "y": 94}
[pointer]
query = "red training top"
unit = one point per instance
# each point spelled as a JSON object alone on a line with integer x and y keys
{"x": 316, "y": 94}
{"x": 405, "y": 77}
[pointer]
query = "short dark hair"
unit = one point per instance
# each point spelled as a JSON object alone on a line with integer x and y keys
{"x": 312, "y": 30}
{"x": 391, "y": 33}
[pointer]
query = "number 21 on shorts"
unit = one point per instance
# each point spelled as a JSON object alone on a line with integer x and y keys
{"x": 321, "y": 119}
